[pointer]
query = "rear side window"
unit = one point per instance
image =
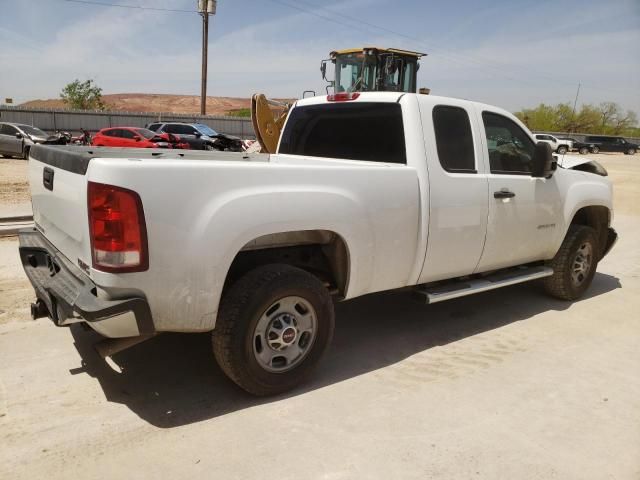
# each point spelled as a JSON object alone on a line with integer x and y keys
{"x": 127, "y": 134}
{"x": 354, "y": 131}
{"x": 454, "y": 139}
{"x": 8, "y": 130}
{"x": 180, "y": 129}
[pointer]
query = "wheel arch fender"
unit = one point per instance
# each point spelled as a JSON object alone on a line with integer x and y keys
{"x": 235, "y": 219}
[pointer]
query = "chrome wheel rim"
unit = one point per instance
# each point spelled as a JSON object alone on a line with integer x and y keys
{"x": 285, "y": 334}
{"x": 581, "y": 265}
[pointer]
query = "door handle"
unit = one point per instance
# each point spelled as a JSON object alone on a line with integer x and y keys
{"x": 503, "y": 194}
{"x": 47, "y": 178}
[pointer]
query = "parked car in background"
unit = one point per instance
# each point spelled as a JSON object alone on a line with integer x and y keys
{"x": 16, "y": 139}
{"x": 199, "y": 136}
{"x": 130, "y": 137}
{"x": 557, "y": 145}
{"x": 596, "y": 144}
{"x": 568, "y": 141}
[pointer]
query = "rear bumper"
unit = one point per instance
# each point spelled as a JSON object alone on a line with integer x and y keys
{"x": 612, "y": 238}
{"x": 70, "y": 296}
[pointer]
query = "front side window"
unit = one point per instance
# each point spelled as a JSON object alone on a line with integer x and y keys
{"x": 146, "y": 133}
{"x": 205, "y": 130}
{"x": 454, "y": 139}
{"x": 510, "y": 148}
{"x": 354, "y": 131}
{"x": 32, "y": 131}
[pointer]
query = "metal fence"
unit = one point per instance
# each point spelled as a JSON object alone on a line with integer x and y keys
{"x": 51, "y": 120}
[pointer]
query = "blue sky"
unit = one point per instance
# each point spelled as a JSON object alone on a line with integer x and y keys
{"x": 512, "y": 53}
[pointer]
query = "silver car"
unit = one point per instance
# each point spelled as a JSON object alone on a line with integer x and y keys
{"x": 16, "y": 139}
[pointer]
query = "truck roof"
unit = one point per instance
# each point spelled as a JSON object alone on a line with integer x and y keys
{"x": 383, "y": 97}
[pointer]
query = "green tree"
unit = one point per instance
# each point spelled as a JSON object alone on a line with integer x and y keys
{"x": 83, "y": 95}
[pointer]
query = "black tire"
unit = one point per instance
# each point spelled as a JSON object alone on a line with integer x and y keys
{"x": 583, "y": 150}
{"x": 562, "y": 150}
{"x": 245, "y": 303}
{"x": 595, "y": 149}
{"x": 562, "y": 284}
{"x": 631, "y": 151}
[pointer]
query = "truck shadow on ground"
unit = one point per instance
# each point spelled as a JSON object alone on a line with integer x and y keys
{"x": 173, "y": 379}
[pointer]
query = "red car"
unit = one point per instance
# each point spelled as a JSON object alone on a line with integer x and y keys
{"x": 134, "y": 137}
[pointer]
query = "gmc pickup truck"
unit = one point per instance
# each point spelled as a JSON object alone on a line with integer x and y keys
{"x": 367, "y": 192}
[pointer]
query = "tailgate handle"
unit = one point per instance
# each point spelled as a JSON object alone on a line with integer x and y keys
{"x": 47, "y": 178}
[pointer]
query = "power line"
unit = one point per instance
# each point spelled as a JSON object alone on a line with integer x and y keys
{"x": 455, "y": 57}
{"x": 450, "y": 57}
{"x": 134, "y": 7}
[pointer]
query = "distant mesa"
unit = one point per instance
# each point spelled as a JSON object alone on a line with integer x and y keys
{"x": 151, "y": 102}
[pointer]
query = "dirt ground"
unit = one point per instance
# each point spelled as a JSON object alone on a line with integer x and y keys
{"x": 508, "y": 384}
{"x": 14, "y": 187}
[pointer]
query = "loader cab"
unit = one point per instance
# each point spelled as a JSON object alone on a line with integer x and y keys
{"x": 373, "y": 69}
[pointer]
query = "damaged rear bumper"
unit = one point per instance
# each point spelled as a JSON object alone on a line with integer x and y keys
{"x": 67, "y": 295}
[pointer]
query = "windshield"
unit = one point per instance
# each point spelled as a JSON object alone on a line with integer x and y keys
{"x": 32, "y": 131}
{"x": 146, "y": 133}
{"x": 205, "y": 130}
{"x": 355, "y": 72}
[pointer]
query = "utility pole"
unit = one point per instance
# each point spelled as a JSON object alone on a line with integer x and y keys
{"x": 205, "y": 8}
{"x": 575, "y": 102}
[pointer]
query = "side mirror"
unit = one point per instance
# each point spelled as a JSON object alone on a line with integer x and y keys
{"x": 323, "y": 69}
{"x": 19, "y": 135}
{"x": 137, "y": 138}
{"x": 542, "y": 163}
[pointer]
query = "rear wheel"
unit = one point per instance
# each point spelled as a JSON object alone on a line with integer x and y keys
{"x": 574, "y": 265}
{"x": 595, "y": 149}
{"x": 562, "y": 150}
{"x": 273, "y": 327}
{"x": 583, "y": 150}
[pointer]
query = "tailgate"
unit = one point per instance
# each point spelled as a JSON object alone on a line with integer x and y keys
{"x": 59, "y": 199}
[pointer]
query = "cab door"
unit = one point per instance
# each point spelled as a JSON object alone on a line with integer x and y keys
{"x": 458, "y": 203}
{"x": 525, "y": 213}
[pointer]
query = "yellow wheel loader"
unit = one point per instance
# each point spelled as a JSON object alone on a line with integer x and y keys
{"x": 368, "y": 69}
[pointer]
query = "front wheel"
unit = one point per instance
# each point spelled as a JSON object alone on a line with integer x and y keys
{"x": 574, "y": 265}
{"x": 583, "y": 150}
{"x": 595, "y": 149}
{"x": 273, "y": 326}
{"x": 631, "y": 151}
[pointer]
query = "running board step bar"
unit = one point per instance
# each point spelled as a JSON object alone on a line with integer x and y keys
{"x": 462, "y": 288}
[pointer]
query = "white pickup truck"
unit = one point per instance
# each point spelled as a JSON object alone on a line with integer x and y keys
{"x": 368, "y": 192}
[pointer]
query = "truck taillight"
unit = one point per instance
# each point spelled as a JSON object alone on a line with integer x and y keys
{"x": 117, "y": 228}
{"x": 343, "y": 96}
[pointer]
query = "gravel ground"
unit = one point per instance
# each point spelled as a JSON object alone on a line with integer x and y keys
{"x": 501, "y": 385}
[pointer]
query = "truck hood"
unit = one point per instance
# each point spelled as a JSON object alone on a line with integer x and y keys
{"x": 585, "y": 164}
{"x": 570, "y": 161}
